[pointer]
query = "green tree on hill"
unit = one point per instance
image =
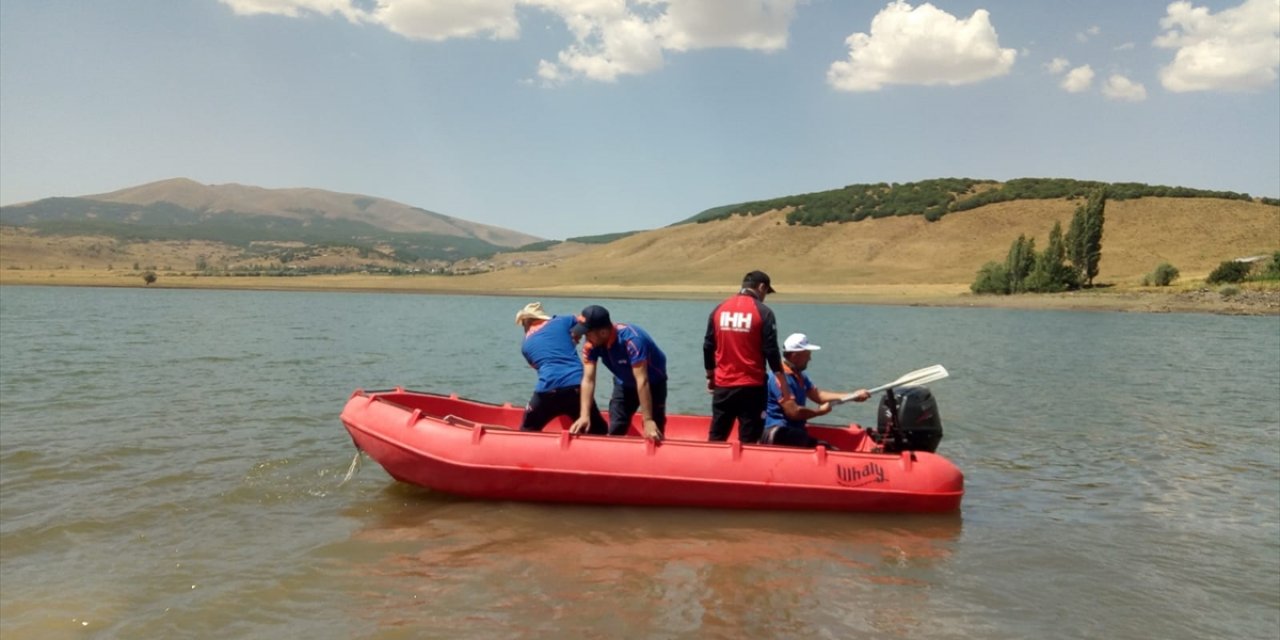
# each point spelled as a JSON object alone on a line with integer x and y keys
{"x": 1272, "y": 270}
{"x": 1229, "y": 271}
{"x": 992, "y": 278}
{"x": 1024, "y": 270}
{"x": 1019, "y": 263}
{"x": 1084, "y": 239}
{"x": 1051, "y": 273}
{"x": 1163, "y": 276}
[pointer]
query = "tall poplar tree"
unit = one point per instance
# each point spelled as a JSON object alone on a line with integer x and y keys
{"x": 1019, "y": 263}
{"x": 1051, "y": 272}
{"x": 1084, "y": 238}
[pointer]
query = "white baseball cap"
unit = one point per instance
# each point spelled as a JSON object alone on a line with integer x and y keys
{"x": 798, "y": 342}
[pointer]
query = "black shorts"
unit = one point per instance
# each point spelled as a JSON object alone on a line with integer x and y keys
{"x": 743, "y": 404}
{"x": 626, "y": 400}
{"x": 545, "y": 406}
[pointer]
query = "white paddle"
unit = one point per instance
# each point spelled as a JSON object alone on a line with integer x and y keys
{"x": 917, "y": 377}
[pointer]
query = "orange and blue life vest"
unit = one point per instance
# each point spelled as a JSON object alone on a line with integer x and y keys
{"x": 631, "y": 346}
{"x": 800, "y": 385}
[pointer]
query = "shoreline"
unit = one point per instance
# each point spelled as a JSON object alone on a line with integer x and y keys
{"x": 1262, "y": 299}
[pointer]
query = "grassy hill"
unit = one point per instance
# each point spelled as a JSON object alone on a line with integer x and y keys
{"x": 1193, "y": 234}
{"x": 936, "y": 198}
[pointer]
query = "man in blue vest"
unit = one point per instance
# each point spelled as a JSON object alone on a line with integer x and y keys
{"x": 639, "y": 370}
{"x": 786, "y": 418}
{"x": 549, "y": 347}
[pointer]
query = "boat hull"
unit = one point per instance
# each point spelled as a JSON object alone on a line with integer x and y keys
{"x": 472, "y": 449}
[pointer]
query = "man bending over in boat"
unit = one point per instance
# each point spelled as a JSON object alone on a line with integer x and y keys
{"x": 786, "y": 418}
{"x": 639, "y": 373}
{"x": 549, "y": 348}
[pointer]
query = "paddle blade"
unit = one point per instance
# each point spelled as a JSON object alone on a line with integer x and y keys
{"x": 915, "y": 378}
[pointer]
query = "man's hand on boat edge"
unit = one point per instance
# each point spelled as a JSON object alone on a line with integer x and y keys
{"x": 651, "y": 431}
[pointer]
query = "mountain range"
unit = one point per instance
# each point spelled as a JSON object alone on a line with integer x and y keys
{"x": 235, "y": 214}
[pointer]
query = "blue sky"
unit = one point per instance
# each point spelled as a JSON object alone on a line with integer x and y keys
{"x": 573, "y": 117}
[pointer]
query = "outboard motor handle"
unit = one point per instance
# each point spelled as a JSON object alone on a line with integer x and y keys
{"x": 891, "y": 429}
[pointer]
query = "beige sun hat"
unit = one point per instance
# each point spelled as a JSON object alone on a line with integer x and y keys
{"x": 531, "y": 311}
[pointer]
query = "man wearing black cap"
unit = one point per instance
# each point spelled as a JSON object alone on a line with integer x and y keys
{"x": 742, "y": 337}
{"x": 639, "y": 370}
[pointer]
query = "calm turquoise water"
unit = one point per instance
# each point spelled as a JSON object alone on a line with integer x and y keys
{"x": 171, "y": 465}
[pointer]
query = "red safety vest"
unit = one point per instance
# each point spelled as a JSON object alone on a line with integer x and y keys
{"x": 738, "y": 327}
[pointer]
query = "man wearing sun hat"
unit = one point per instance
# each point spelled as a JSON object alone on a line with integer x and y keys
{"x": 786, "y": 415}
{"x": 741, "y": 339}
{"x": 550, "y": 349}
{"x": 639, "y": 370}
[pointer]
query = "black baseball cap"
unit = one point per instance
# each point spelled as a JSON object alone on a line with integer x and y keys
{"x": 757, "y": 278}
{"x": 592, "y": 317}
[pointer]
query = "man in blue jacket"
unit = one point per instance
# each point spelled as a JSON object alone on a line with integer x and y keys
{"x": 549, "y": 347}
{"x": 639, "y": 370}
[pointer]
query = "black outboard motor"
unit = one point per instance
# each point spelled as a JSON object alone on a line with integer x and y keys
{"x": 908, "y": 420}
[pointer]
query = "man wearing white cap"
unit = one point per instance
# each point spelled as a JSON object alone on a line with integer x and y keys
{"x": 786, "y": 418}
{"x": 549, "y": 348}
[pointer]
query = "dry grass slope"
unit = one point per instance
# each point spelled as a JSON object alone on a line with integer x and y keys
{"x": 1193, "y": 234}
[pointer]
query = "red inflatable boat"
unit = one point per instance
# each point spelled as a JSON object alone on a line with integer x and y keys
{"x": 474, "y": 449}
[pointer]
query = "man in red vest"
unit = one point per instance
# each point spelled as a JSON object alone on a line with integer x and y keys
{"x": 742, "y": 336}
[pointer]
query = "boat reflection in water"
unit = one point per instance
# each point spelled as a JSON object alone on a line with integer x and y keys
{"x": 502, "y": 569}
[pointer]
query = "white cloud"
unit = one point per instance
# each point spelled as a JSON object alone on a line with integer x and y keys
{"x": 924, "y": 46}
{"x": 549, "y": 72}
{"x": 1085, "y": 35}
{"x": 444, "y": 19}
{"x": 1233, "y": 50}
{"x": 1057, "y": 65}
{"x": 1128, "y": 46}
{"x": 1123, "y": 89}
{"x": 1078, "y": 79}
{"x": 294, "y": 8}
{"x": 699, "y": 24}
{"x": 611, "y": 37}
{"x": 607, "y": 48}
{"x": 615, "y": 37}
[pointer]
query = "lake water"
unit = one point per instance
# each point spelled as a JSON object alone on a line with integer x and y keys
{"x": 171, "y": 465}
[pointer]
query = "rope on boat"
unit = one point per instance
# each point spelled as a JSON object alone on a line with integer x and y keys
{"x": 353, "y": 469}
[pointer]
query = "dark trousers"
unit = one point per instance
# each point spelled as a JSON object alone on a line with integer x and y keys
{"x": 785, "y": 436}
{"x": 547, "y": 405}
{"x": 626, "y": 400}
{"x": 743, "y": 404}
